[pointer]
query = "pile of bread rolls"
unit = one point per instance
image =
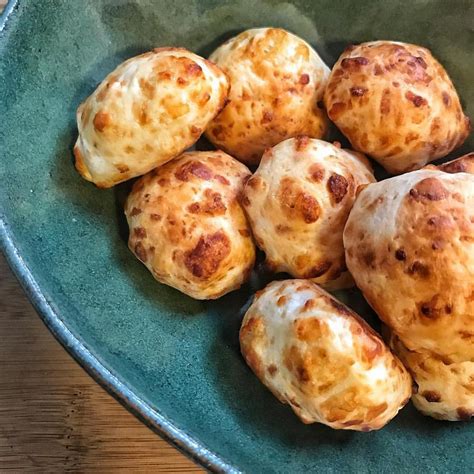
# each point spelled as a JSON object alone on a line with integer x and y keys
{"x": 264, "y": 98}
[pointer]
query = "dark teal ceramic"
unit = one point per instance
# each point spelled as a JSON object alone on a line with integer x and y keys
{"x": 174, "y": 361}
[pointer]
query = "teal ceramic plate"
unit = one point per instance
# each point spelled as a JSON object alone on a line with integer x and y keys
{"x": 174, "y": 361}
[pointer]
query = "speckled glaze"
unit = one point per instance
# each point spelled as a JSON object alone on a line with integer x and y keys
{"x": 172, "y": 360}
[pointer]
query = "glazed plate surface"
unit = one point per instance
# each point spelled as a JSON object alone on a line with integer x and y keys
{"x": 172, "y": 360}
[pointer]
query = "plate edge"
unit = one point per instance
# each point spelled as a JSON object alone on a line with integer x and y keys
{"x": 110, "y": 381}
{"x": 11, "y": 4}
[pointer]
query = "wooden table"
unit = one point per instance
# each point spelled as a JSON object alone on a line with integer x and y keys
{"x": 53, "y": 416}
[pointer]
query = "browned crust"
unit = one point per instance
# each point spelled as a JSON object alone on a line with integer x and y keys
{"x": 463, "y": 164}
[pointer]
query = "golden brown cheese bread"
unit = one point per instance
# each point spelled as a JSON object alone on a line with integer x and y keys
{"x": 321, "y": 358}
{"x": 298, "y": 202}
{"x": 444, "y": 389}
{"x": 395, "y": 102}
{"x": 409, "y": 244}
{"x": 187, "y": 226}
{"x": 277, "y": 80}
{"x": 147, "y": 111}
{"x": 463, "y": 164}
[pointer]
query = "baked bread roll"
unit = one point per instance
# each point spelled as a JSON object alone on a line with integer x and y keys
{"x": 321, "y": 358}
{"x": 409, "y": 244}
{"x": 395, "y": 102}
{"x": 277, "y": 80}
{"x": 187, "y": 226}
{"x": 298, "y": 202}
{"x": 463, "y": 164}
{"x": 444, "y": 389}
{"x": 146, "y": 112}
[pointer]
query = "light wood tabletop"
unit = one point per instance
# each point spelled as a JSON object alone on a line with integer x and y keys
{"x": 53, "y": 416}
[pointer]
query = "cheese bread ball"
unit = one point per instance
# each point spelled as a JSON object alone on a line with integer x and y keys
{"x": 187, "y": 226}
{"x": 444, "y": 389}
{"x": 409, "y": 244}
{"x": 396, "y": 103}
{"x": 321, "y": 358}
{"x": 277, "y": 80}
{"x": 147, "y": 111}
{"x": 463, "y": 164}
{"x": 298, "y": 202}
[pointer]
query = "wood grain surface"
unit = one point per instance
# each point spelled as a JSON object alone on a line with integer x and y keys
{"x": 53, "y": 416}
